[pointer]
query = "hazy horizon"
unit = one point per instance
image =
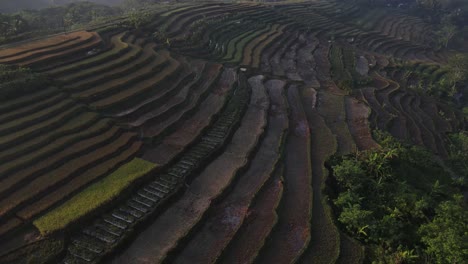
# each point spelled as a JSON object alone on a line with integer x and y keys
{"x": 9, "y": 6}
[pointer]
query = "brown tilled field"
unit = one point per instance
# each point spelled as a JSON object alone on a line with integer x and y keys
{"x": 234, "y": 116}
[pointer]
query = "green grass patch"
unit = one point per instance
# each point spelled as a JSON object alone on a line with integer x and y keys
{"x": 93, "y": 196}
{"x": 231, "y": 47}
{"x": 241, "y": 45}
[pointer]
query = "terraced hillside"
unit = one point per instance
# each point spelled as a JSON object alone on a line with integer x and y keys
{"x": 202, "y": 136}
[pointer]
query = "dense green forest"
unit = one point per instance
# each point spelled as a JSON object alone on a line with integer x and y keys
{"x": 403, "y": 203}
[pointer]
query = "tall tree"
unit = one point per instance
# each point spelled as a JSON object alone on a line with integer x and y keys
{"x": 446, "y": 236}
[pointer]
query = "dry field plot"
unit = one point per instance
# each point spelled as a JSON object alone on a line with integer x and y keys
{"x": 218, "y": 140}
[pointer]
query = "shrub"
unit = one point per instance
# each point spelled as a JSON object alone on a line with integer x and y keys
{"x": 465, "y": 111}
{"x": 386, "y": 198}
{"x": 458, "y": 154}
{"x": 446, "y": 235}
{"x": 17, "y": 81}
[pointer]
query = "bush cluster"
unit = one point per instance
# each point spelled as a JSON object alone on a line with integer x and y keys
{"x": 17, "y": 81}
{"x": 401, "y": 203}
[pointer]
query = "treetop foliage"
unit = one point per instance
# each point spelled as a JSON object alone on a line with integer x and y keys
{"x": 401, "y": 203}
{"x": 16, "y": 81}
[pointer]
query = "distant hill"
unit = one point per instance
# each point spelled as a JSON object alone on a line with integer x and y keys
{"x": 8, "y": 6}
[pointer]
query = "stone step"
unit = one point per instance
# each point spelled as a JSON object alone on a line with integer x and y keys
{"x": 200, "y": 150}
{"x": 100, "y": 234}
{"x": 138, "y": 206}
{"x": 163, "y": 184}
{"x": 216, "y": 134}
{"x": 159, "y": 188}
{"x": 82, "y": 253}
{"x": 207, "y": 144}
{"x": 123, "y": 216}
{"x": 142, "y": 200}
{"x": 154, "y": 192}
{"x": 147, "y": 195}
{"x": 193, "y": 157}
{"x": 115, "y": 222}
{"x": 189, "y": 162}
{"x": 198, "y": 153}
{"x": 183, "y": 166}
{"x": 221, "y": 130}
{"x": 88, "y": 243}
{"x": 109, "y": 228}
{"x": 212, "y": 140}
{"x": 177, "y": 172}
{"x": 131, "y": 211}
{"x": 166, "y": 182}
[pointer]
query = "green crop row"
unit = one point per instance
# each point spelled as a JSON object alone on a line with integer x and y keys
{"x": 93, "y": 196}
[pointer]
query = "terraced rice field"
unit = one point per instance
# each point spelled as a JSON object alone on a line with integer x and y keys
{"x": 235, "y": 119}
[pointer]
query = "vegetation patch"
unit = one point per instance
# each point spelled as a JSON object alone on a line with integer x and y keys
{"x": 401, "y": 203}
{"x": 43, "y": 251}
{"x": 458, "y": 156}
{"x": 343, "y": 68}
{"x": 17, "y": 81}
{"x": 93, "y": 196}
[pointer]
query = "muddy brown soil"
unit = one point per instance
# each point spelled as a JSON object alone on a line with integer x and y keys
{"x": 228, "y": 215}
{"x": 189, "y": 129}
{"x": 174, "y": 224}
{"x": 292, "y": 234}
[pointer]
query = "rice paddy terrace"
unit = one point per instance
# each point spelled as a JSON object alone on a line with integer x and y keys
{"x": 208, "y": 143}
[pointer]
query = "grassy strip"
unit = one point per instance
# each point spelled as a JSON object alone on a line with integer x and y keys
{"x": 335, "y": 110}
{"x": 86, "y": 177}
{"x": 231, "y": 46}
{"x": 241, "y": 46}
{"x": 93, "y": 196}
{"x": 259, "y": 50}
{"x": 337, "y": 67}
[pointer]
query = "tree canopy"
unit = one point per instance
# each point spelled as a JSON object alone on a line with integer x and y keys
{"x": 401, "y": 203}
